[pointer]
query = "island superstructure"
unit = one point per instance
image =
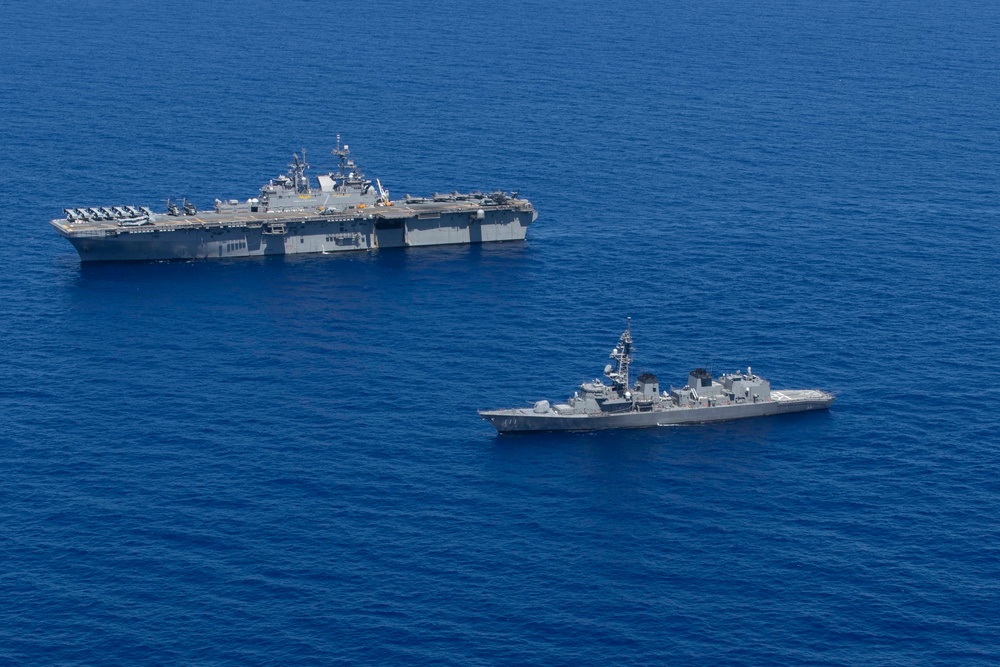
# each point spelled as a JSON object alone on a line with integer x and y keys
{"x": 597, "y": 405}
{"x": 341, "y": 211}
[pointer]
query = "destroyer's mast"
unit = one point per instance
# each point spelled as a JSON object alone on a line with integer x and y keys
{"x": 622, "y": 354}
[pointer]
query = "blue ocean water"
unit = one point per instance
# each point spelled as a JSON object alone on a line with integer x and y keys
{"x": 279, "y": 461}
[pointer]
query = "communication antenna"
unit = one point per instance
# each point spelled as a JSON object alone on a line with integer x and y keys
{"x": 342, "y": 152}
{"x": 622, "y": 354}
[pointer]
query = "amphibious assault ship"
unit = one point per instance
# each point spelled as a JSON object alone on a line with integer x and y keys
{"x": 341, "y": 211}
{"x": 597, "y": 405}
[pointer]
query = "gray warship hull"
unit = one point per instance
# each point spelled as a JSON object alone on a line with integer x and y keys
{"x": 215, "y": 236}
{"x": 782, "y": 402}
{"x": 597, "y": 406}
{"x": 340, "y": 211}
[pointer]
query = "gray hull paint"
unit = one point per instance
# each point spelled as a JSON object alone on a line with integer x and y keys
{"x": 339, "y": 212}
{"x": 524, "y": 421}
{"x": 597, "y": 406}
{"x": 311, "y": 235}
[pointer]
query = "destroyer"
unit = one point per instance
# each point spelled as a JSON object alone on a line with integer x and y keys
{"x": 597, "y": 405}
{"x": 342, "y": 211}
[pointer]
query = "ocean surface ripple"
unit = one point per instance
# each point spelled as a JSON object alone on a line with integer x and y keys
{"x": 279, "y": 461}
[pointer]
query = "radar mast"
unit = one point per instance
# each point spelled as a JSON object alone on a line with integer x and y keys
{"x": 622, "y": 354}
{"x": 342, "y": 152}
{"x": 298, "y": 172}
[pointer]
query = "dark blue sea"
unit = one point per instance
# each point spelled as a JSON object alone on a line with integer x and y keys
{"x": 279, "y": 461}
